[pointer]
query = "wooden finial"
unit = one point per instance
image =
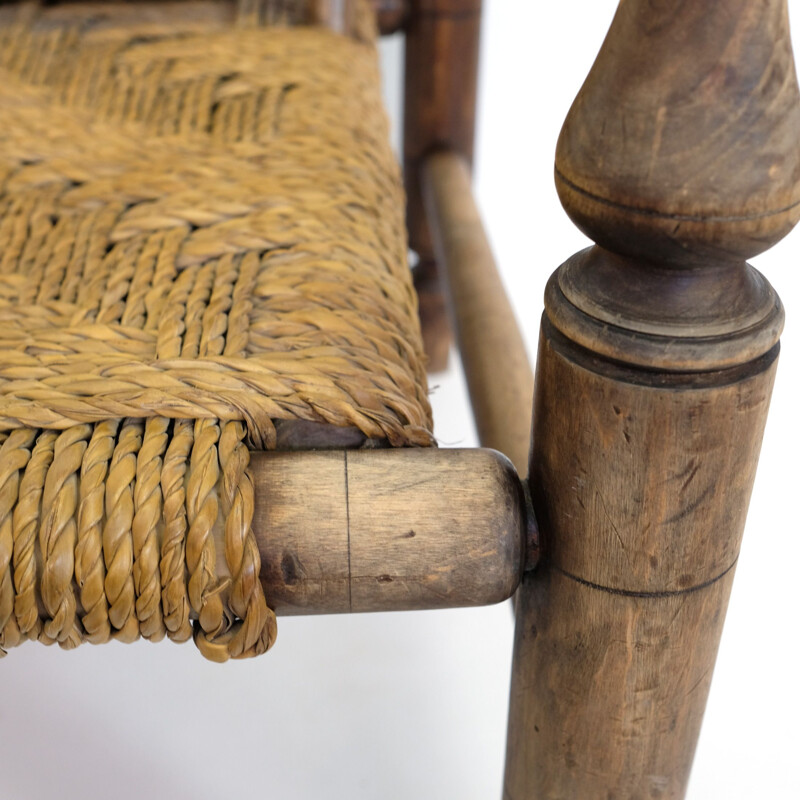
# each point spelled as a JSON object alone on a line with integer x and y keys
{"x": 657, "y": 162}
{"x": 682, "y": 150}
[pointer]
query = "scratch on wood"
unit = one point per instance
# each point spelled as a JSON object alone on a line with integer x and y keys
{"x": 688, "y": 509}
{"x": 613, "y": 526}
{"x": 693, "y": 468}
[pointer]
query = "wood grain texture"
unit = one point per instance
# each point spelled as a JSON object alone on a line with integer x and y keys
{"x": 492, "y": 349}
{"x": 640, "y": 481}
{"x": 683, "y": 140}
{"x": 657, "y": 357}
{"x": 669, "y": 515}
{"x": 350, "y": 531}
{"x": 437, "y": 335}
{"x": 624, "y": 309}
{"x": 441, "y": 78}
{"x": 441, "y": 84}
{"x": 621, "y": 659}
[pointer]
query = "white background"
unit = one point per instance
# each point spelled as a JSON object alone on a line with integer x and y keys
{"x": 413, "y": 706}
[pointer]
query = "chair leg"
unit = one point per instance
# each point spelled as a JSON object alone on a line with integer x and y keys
{"x": 657, "y": 357}
{"x": 436, "y": 334}
{"x": 441, "y": 78}
{"x": 640, "y": 482}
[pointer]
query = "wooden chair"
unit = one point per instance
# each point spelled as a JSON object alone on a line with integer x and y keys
{"x": 619, "y": 528}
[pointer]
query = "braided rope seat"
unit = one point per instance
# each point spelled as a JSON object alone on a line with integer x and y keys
{"x": 201, "y": 240}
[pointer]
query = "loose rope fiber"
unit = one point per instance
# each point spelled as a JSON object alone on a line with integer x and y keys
{"x": 201, "y": 233}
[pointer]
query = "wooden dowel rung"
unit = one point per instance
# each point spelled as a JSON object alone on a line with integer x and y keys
{"x": 387, "y": 530}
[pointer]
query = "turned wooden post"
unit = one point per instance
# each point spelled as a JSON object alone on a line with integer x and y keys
{"x": 441, "y": 79}
{"x": 392, "y": 15}
{"x": 680, "y": 157}
{"x": 442, "y": 43}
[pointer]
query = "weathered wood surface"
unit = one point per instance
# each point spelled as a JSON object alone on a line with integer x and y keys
{"x": 682, "y": 143}
{"x": 492, "y": 349}
{"x": 681, "y": 158}
{"x": 441, "y": 81}
{"x": 386, "y": 530}
{"x": 433, "y": 318}
{"x": 441, "y": 74}
{"x": 392, "y": 15}
{"x": 640, "y": 483}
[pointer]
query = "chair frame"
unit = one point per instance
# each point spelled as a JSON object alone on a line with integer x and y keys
{"x": 651, "y": 391}
{"x": 615, "y": 516}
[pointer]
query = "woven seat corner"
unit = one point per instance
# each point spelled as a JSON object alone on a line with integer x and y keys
{"x": 201, "y": 243}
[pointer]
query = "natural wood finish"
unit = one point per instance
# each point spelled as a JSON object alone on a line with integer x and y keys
{"x": 441, "y": 74}
{"x": 492, "y": 349}
{"x": 640, "y": 485}
{"x": 601, "y": 298}
{"x": 392, "y": 15}
{"x": 441, "y": 81}
{"x": 387, "y": 530}
{"x": 433, "y": 319}
{"x": 657, "y": 154}
{"x": 301, "y": 434}
{"x": 680, "y": 157}
{"x": 624, "y": 660}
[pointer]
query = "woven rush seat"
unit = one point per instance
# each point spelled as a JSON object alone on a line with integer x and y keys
{"x": 201, "y": 246}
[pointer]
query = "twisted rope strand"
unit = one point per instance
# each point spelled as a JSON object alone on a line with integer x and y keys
{"x": 90, "y": 569}
{"x": 14, "y": 457}
{"x": 27, "y": 520}
{"x": 117, "y": 533}
{"x": 147, "y": 529}
{"x": 58, "y": 538}
{"x": 174, "y": 593}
